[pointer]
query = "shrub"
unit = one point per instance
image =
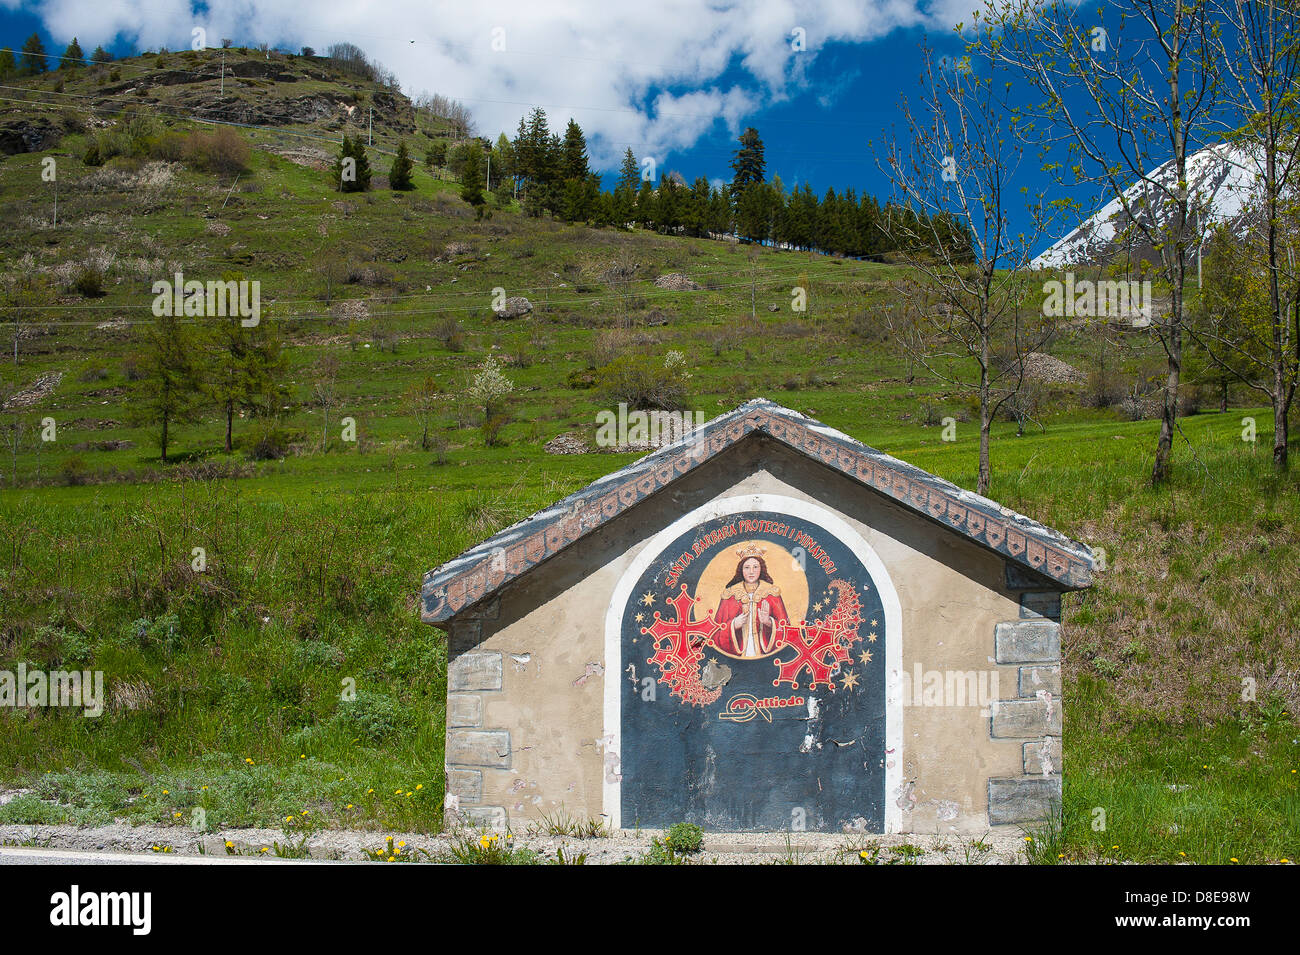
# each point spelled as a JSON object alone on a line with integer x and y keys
{"x": 74, "y": 471}
{"x": 91, "y": 157}
{"x": 221, "y": 151}
{"x": 645, "y": 383}
{"x": 89, "y": 282}
{"x": 684, "y": 837}
{"x": 268, "y": 442}
{"x": 373, "y": 716}
{"x": 492, "y": 427}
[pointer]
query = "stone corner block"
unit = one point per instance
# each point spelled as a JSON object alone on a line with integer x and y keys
{"x": 466, "y": 709}
{"x": 487, "y": 748}
{"x": 465, "y": 784}
{"x": 480, "y": 817}
{"x": 1020, "y": 799}
{"x": 1025, "y": 719}
{"x": 1040, "y": 678}
{"x": 1043, "y": 757}
{"x": 1027, "y": 641}
{"x": 475, "y": 670}
{"x": 1040, "y": 605}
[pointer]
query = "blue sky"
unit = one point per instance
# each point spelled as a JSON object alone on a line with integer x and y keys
{"x": 676, "y": 80}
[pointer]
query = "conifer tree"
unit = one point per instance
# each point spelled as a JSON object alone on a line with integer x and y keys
{"x": 72, "y": 56}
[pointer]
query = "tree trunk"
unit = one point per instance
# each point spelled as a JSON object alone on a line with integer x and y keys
{"x": 163, "y": 442}
{"x": 1169, "y": 414}
{"x": 986, "y": 476}
{"x": 1281, "y": 408}
{"x": 230, "y": 421}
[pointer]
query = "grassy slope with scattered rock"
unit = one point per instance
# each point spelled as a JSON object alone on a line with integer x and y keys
{"x": 225, "y": 685}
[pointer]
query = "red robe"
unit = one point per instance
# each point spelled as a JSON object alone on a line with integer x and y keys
{"x": 734, "y": 603}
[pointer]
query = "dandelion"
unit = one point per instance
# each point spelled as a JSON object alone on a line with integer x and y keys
{"x": 402, "y": 843}
{"x": 1061, "y": 856}
{"x": 369, "y": 791}
{"x": 349, "y": 805}
{"x": 302, "y": 755}
{"x": 229, "y": 844}
{"x": 1029, "y": 838}
{"x": 1232, "y": 860}
{"x": 205, "y": 788}
{"x": 419, "y": 787}
{"x": 249, "y": 761}
{"x": 265, "y": 849}
{"x": 288, "y": 818}
{"x": 166, "y": 792}
{"x": 176, "y": 815}
{"x": 1284, "y": 861}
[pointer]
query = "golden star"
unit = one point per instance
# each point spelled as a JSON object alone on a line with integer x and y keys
{"x": 873, "y": 623}
{"x": 864, "y": 656}
{"x": 639, "y": 617}
{"x": 648, "y": 599}
{"x": 871, "y": 637}
{"x": 817, "y": 606}
{"x": 850, "y": 680}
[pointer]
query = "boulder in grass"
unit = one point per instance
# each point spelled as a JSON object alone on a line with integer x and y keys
{"x": 676, "y": 282}
{"x": 514, "y": 307}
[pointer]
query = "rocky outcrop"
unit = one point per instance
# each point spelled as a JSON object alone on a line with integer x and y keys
{"x": 676, "y": 282}
{"x": 514, "y": 307}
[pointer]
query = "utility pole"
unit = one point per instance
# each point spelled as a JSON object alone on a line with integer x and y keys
{"x": 370, "y": 134}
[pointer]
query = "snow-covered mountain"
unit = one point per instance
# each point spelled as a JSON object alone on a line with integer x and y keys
{"x": 1224, "y": 176}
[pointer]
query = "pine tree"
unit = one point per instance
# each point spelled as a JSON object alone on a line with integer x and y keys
{"x": 72, "y": 56}
{"x": 354, "y": 176}
{"x": 629, "y": 172}
{"x": 245, "y": 370}
{"x": 172, "y": 386}
{"x": 399, "y": 174}
{"x": 101, "y": 55}
{"x": 8, "y": 66}
{"x": 573, "y": 162}
{"x": 471, "y": 178}
{"x": 749, "y": 165}
{"x": 34, "y": 55}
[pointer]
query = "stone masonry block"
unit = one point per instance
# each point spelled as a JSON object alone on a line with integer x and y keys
{"x": 465, "y": 784}
{"x": 489, "y": 748}
{"x": 466, "y": 709}
{"x": 1027, "y": 641}
{"x": 1021, "y": 799}
{"x": 1035, "y": 678}
{"x": 1013, "y": 719}
{"x": 1043, "y": 757}
{"x": 477, "y": 670}
{"x": 1036, "y": 604}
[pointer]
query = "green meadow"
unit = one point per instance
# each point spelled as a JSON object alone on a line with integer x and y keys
{"x": 290, "y": 683}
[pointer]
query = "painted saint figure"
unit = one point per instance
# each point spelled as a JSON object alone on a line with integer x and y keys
{"x": 750, "y": 610}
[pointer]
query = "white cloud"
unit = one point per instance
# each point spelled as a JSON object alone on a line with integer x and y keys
{"x": 657, "y": 76}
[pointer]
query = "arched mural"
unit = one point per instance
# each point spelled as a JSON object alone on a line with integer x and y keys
{"x": 752, "y": 678}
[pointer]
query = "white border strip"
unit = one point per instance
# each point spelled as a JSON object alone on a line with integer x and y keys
{"x": 834, "y": 526}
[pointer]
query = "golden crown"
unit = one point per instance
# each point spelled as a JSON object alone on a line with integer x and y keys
{"x": 750, "y": 550}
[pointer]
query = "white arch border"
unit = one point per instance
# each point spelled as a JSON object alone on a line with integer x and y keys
{"x": 612, "y": 796}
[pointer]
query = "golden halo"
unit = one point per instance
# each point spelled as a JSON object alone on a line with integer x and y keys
{"x": 786, "y": 574}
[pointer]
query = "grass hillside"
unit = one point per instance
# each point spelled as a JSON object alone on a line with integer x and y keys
{"x": 225, "y": 685}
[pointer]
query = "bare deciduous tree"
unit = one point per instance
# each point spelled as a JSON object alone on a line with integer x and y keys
{"x": 953, "y": 175}
{"x": 1127, "y": 103}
